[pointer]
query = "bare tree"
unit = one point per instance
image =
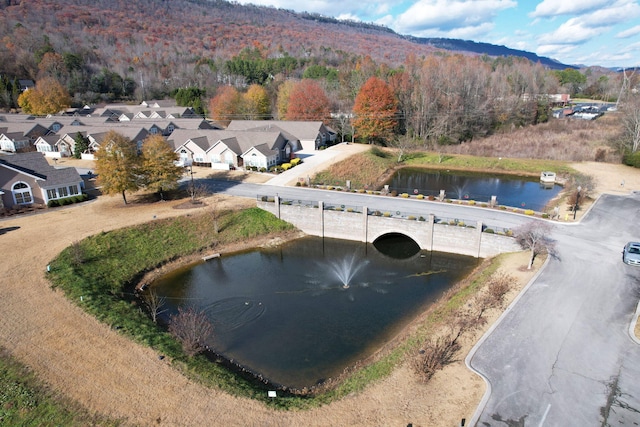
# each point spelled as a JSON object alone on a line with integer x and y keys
{"x": 192, "y": 328}
{"x": 534, "y": 236}
{"x": 403, "y": 143}
{"x": 154, "y": 303}
{"x": 493, "y": 296}
{"x": 197, "y": 192}
{"x": 631, "y": 125}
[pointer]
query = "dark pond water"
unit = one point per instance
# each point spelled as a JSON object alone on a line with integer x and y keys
{"x": 303, "y": 312}
{"x": 510, "y": 190}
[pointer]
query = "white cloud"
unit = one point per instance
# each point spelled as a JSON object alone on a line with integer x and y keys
{"x": 549, "y": 8}
{"x": 361, "y": 10}
{"x": 450, "y": 18}
{"x": 633, "y": 31}
{"x": 574, "y": 31}
{"x": 348, "y": 17}
{"x": 583, "y": 28}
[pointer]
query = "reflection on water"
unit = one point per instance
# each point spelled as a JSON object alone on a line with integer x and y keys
{"x": 286, "y": 313}
{"x": 510, "y": 190}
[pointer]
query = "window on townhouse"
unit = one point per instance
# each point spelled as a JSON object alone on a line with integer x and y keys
{"x": 73, "y": 190}
{"x": 22, "y": 193}
{"x": 63, "y": 192}
{"x": 52, "y": 194}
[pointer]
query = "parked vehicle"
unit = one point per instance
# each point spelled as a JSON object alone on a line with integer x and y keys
{"x": 631, "y": 253}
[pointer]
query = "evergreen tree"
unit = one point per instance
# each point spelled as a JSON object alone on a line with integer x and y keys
{"x": 81, "y": 145}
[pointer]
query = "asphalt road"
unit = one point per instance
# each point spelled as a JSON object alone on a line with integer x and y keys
{"x": 563, "y": 354}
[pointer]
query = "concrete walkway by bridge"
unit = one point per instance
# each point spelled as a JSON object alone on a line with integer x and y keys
{"x": 315, "y": 161}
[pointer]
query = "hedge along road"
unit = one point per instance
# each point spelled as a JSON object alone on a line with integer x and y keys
{"x": 563, "y": 354}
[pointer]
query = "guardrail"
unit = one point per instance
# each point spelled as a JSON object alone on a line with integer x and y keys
{"x": 397, "y": 214}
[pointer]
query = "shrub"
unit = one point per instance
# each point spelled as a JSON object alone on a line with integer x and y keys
{"x": 349, "y": 209}
{"x": 632, "y": 159}
{"x": 529, "y": 212}
{"x": 461, "y": 224}
{"x": 489, "y": 230}
{"x": 484, "y": 205}
{"x": 393, "y": 193}
{"x": 432, "y": 198}
{"x": 192, "y": 329}
{"x": 296, "y": 161}
{"x": 472, "y": 202}
{"x": 420, "y": 197}
{"x": 545, "y": 215}
{"x": 286, "y": 166}
{"x": 405, "y": 195}
{"x": 436, "y": 354}
{"x": 330, "y": 187}
{"x": 263, "y": 169}
{"x": 504, "y": 208}
{"x": 298, "y": 184}
{"x": 411, "y": 218}
{"x": 449, "y": 201}
{"x": 387, "y": 214}
{"x": 421, "y": 219}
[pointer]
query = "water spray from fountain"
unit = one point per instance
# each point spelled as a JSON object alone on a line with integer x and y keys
{"x": 346, "y": 268}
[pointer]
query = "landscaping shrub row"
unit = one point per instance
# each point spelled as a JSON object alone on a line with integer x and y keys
{"x": 68, "y": 200}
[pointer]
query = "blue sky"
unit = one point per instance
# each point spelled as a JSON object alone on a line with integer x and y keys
{"x": 576, "y": 32}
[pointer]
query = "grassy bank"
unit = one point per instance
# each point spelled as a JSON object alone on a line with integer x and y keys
{"x": 25, "y": 401}
{"x": 99, "y": 273}
{"x": 370, "y": 169}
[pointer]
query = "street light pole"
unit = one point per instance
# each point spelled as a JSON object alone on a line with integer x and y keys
{"x": 575, "y": 207}
{"x": 193, "y": 188}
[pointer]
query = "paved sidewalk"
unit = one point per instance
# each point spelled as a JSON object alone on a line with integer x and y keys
{"x": 315, "y": 161}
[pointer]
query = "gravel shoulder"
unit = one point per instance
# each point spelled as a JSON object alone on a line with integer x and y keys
{"x": 91, "y": 363}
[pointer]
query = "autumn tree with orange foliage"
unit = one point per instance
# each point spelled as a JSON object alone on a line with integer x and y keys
{"x": 375, "y": 111}
{"x": 308, "y": 102}
{"x": 284, "y": 91}
{"x": 48, "y": 97}
{"x": 226, "y": 105}
{"x": 256, "y": 104}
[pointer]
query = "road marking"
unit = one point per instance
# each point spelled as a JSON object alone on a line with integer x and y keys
{"x": 544, "y": 417}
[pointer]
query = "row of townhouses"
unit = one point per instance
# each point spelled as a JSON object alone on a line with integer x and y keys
{"x": 27, "y": 178}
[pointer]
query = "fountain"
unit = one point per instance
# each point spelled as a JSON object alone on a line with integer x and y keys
{"x": 346, "y": 268}
{"x": 461, "y": 191}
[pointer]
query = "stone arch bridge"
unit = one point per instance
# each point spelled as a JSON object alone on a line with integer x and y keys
{"x": 362, "y": 224}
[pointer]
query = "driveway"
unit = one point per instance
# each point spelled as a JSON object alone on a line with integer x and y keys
{"x": 563, "y": 354}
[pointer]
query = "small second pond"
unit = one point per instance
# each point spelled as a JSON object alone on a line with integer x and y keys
{"x": 510, "y": 190}
{"x": 301, "y": 313}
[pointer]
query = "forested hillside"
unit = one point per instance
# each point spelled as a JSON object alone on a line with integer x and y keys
{"x": 178, "y": 41}
{"x": 232, "y": 61}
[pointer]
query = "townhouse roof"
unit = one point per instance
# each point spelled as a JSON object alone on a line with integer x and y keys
{"x": 36, "y": 165}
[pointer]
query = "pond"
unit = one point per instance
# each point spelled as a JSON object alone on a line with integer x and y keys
{"x": 301, "y": 313}
{"x": 510, "y": 190}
